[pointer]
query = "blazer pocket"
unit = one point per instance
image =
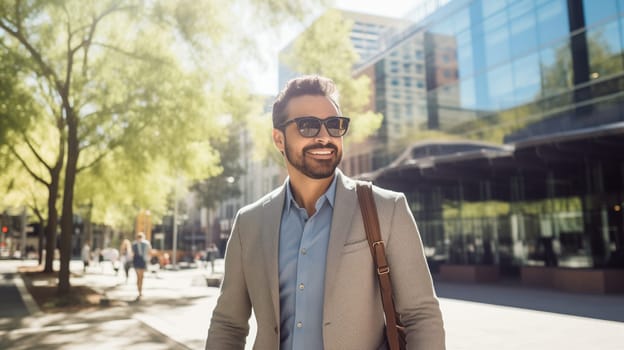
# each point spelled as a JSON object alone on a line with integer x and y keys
{"x": 354, "y": 246}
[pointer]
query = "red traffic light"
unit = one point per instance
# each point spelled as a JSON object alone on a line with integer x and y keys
{"x": 5, "y": 229}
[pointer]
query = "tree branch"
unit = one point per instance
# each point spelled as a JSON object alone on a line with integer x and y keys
{"x": 94, "y": 161}
{"x": 35, "y": 207}
{"x": 25, "y": 165}
{"x": 130, "y": 54}
{"x": 34, "y": 151}
{"x": 45, "y": 69}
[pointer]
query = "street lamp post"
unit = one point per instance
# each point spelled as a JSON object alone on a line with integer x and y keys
{"x": 174, "y": 258}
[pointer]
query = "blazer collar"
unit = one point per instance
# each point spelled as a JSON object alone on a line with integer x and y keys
{"x": 272, "y": 214}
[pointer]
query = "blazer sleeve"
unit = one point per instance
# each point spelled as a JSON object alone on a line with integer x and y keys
{"x": 414, "y": 295}
{"x": 229, "y": 325}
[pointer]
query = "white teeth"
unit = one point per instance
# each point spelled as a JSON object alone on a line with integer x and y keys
{"x": 321, "y": 152}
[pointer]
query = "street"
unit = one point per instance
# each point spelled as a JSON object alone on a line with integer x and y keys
{"x": 177, "y": 306}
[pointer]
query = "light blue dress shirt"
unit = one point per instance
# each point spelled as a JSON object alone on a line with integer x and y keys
{"x": 302, "y": 260}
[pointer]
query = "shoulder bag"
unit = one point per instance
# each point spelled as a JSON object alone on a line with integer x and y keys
{"x": 395, "y": 332}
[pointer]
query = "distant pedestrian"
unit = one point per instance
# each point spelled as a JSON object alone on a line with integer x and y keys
{"x": 212, "y": 253}
{"x": 141, "y": 249}
{"x": 125, "y": 253}
{"x": 86, "y": 257}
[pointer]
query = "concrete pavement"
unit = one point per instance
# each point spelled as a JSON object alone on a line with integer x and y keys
{"x": 177, "y": 305}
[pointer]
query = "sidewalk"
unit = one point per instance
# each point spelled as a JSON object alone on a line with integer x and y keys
{"x": 174, "y": 313}
{"x": 177, "y": 305}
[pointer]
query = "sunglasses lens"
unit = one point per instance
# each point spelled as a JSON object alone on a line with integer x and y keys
{"x": 337, "y": 127}
{"x": 308, "y": 127}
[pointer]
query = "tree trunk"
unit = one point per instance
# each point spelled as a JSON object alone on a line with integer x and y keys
{"x": 52, "y": 223}
{"x": 67, "y": 218}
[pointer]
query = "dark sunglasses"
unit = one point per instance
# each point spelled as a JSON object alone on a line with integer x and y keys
{"x": 311, "y": 126}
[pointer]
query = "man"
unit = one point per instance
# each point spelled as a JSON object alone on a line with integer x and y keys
{"x": 141, "y": 249}
{"x": 299, "y": 257}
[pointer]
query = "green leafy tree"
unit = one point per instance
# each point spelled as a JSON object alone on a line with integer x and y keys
{"x": 131, "y": 84}
{"x": 26, "y": 136}
{"x": 216, "y": 188}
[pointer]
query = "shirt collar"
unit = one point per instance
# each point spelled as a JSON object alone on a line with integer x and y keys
{"x": 329, "y": 195}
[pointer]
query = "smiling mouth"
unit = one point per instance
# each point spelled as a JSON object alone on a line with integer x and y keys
{"x": 321, "y": 152}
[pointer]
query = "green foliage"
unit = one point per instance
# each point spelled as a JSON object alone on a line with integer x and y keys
{"x": 146, "y": 101}
{"x": 222, "y": 185}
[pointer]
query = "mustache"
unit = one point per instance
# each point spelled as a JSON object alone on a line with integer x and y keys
{"x": 318, "y": 145}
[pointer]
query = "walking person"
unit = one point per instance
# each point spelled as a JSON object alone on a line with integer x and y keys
{"x": 141, "y": 252}
{"x": 85, "y": 254}
{"x": 212, "y": 253}
{"x": 125, "y": 253}
{"x": 299, "y": 257}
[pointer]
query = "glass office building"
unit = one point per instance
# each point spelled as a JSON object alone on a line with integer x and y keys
{"x": 526, "y": 99}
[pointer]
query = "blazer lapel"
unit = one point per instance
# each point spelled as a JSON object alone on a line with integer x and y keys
{"x": 272, "y": 215}
{"x": 345, "y": 207}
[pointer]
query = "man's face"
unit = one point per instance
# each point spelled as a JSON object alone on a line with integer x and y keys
{"x": 315, "y": 157}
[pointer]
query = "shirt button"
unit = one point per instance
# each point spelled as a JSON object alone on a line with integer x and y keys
{"x": 299, "y": 325}
{"x": 301, "y": 286}
{"x": 304, "y": 251}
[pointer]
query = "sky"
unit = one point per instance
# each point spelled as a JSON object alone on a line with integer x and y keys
{"x": 265, "y": 78}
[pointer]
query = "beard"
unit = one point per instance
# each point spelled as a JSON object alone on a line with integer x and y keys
{"x": 313, "y": 168}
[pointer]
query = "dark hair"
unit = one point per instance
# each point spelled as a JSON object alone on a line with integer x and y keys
{"x": 304, "y": 85}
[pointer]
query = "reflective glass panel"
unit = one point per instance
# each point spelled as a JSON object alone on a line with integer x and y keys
{"x": 467, "y": 93}
{"x": 552, "y": 21}
{"x": 500, "y": 88}
{"x": 465, "y": 62}
{"x": 604, "y": 50}
{"x": 527, "y": 81}
{"x": 496, "y": 39}
{"x": 490, "y": 7}
{"x": 523, "y": 34}
{"x": 596, "y": 11}
{"x": 556, "y": 68}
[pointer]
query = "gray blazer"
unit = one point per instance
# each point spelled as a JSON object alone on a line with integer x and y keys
{"x": 352, "y": 314}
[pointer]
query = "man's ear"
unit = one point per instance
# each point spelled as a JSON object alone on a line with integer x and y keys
{"x": 278, "y": 140}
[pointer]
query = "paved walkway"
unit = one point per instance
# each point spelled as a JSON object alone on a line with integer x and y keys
{"x": 176, "y": 309}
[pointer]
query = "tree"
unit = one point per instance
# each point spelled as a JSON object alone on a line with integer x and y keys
{"x": 20, "y": 120}
{"x": 126, "y": 81}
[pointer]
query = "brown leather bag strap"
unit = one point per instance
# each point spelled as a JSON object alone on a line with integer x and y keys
{"x": 371, "y": 225}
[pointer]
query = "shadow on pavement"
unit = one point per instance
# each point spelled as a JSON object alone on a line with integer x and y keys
{"x": 108, "y": 327}
{"x": 604, "y": 307}
{"x": 97, "y": 334}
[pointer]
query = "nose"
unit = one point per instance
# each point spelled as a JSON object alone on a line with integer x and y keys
{"x": 323, "y": 136}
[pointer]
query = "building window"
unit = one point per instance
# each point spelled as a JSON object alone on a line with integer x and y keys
{"x": 527, "y": 80}
{"x": 523, "y": 33}
{"x": 556, "y": 69}
{"x": 552, "y": 21}
{"x": 491, "y": 7}
{"x": 605, "y": 50}
{"x": 496, "y": 40}
{"x": 500, "y": 88}
{"x": 596, "y": 13}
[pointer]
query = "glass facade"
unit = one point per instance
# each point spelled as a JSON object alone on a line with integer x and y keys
{"x": 509, "y": 72}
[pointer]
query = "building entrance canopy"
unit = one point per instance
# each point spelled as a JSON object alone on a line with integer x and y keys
{"x": 563, "y": 158}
